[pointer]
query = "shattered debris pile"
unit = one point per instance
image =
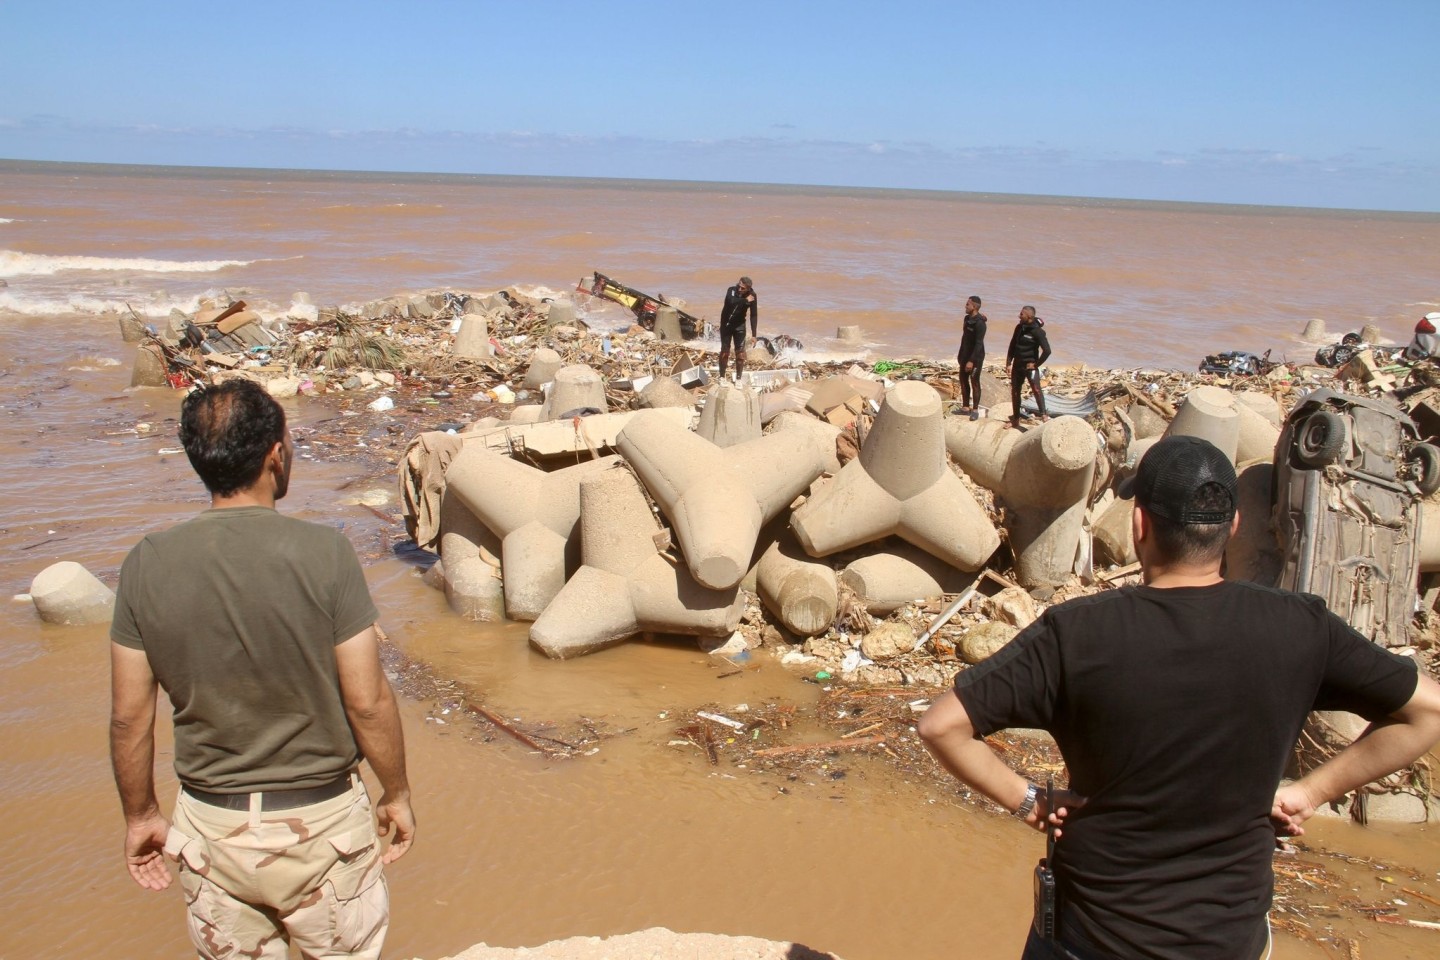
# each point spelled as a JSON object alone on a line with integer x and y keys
{"x": 838, "y": 517}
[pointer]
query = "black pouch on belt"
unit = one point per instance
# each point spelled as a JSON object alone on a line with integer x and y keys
{"x": 1047, "y": 900}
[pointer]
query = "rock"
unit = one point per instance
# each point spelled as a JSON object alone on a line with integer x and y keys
{"x": 1014, "y": 606}
{"x": 984, "y": 640}
{"x": 282, "y": 388}
{"x": 66, "y": 593}
{"x": 888, "y": 640}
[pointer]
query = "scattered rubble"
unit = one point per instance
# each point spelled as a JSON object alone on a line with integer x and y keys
{"x": 913, "y": 534}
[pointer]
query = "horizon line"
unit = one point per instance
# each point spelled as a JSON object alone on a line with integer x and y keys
{"x": 17, "y": 164}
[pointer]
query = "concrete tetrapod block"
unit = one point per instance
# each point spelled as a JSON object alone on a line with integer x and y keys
{"x": 470, "y": 559}
{"x": 718, "y": 499}
{"x": 149, "y": 368}
{"x": 1429, "y": 547}
{"x": 625, "y": 585}
{"x": 1262, "y": 403}
{"x": 67, "y": 593}
{"x": 1253, "y": 552}
{"x": 1209, "y": 412}
{"x": 1114, "y": 534}
{"x": 526, "y": 414}
{"x": 1255, "y": 437}
{"x": 667, "y": 324}
{"x": 981, "y": 448}
{"x": 1147, "y": 422}
{"x": 1043, "y": 476}
{"x": 562, "y": 314}
{"x": 800, "y": 592}
{"x": 1046, "y": 490}
{"x": 544, "y": 364}
{"x": 473, "y": 340}
{"x": 731, "y": 415}
{"x": 900, "y": 484}
{"x": 576, "y": 387}
{"x": 665, "y": 392}
{"x": 822, "y": 432}
{"x": 534, "y": 513}
{"x": 895, "y": 576}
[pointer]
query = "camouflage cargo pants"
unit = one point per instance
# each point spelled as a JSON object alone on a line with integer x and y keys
{"x": 255, "y": 881}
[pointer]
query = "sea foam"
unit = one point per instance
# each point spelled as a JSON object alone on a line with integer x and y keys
{"x": 13, "y": 263}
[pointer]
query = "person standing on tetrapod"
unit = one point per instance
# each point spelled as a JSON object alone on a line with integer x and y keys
{"x": 971, "y": 357}
{"x": 1029, "y": 349}
{"x": 739, "y": 301}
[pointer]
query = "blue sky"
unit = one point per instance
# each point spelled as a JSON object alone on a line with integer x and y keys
{"x": 1268, "y": 101}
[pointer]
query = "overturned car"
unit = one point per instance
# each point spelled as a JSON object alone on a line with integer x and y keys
{"x": 1350, "y": 473}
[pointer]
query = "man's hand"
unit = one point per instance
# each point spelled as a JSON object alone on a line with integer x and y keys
{"x": 144, "y": 851}
{"x": 1293, "y": 806}
{"x": 1042, "y": 818}
{"x": 969, "y": 365}
{"x": 396, "y": 813}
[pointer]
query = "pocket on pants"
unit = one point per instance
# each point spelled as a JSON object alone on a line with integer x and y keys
{"x": 356, "y": 889}
{"x": 204, "y": 913}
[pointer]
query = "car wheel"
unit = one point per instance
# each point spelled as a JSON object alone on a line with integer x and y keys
{"x": 1322, "y": 440}
{"x": 1424, "y": 459}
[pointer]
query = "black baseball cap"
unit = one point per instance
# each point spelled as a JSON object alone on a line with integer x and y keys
{"x": 1171, "y": 476}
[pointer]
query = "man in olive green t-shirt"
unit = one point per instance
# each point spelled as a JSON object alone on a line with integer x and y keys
{"x": 261, "y": 631}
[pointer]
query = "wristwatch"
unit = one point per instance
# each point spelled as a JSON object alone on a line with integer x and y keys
{"x": 1032, "y": 793}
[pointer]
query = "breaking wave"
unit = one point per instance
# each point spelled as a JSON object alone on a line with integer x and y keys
{"x": 148, "y": 306}
{"x": 13, "y": 263}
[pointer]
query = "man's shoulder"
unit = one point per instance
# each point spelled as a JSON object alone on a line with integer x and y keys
{"x": 1226, "y": 594}
{"x": 241, "y": 522}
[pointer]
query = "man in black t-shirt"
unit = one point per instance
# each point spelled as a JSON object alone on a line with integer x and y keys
{"x": 739, "y": 303}
{"x": 1176, "y": 705}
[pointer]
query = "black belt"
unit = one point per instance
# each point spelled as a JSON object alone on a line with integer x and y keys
{"x": 274, "y": 799}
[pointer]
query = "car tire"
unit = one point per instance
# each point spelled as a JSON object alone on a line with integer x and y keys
{"x": 1322, "y": 439}
{"x": 1424, "y": 459}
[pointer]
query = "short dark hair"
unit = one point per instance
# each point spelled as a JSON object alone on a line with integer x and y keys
{"x": 746, "y": 281}
{"x": 1028, "y": 307}
{"x": 1195, "y": 542}
{"x": 227, "y": 431}
{"x": 975, "y": 299}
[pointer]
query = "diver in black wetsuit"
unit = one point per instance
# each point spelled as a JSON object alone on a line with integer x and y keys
{"x": 739, "y": 301}
{"x": 971, "y": 357}
{"x": 1029, "y": 349}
